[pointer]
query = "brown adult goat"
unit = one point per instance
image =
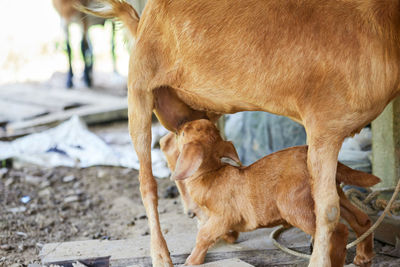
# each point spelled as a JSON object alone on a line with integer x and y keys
{"x": 331, "y": 65}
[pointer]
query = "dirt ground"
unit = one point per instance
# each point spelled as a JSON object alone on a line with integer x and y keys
{"x": 69, "y": 204}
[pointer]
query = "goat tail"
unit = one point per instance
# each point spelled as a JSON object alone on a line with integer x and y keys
{"x": 110, "y": 9}
{"x": 350, "y": 176}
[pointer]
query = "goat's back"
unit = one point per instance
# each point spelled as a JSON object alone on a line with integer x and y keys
{"x": 257, "y": 51}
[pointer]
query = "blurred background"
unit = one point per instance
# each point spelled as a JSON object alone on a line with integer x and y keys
{"x": 33, "y": 44}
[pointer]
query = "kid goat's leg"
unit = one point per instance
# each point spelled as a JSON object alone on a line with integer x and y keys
{"x": 338, "y": 245}
{"x": 206, "y": 237}
{"x": 87, "y": 54}
{"x": 322, "y": 164}
{"x": 140, "y": 104}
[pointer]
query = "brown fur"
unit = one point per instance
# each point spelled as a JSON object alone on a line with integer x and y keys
{"x": 274, "y": 190}
{"x": 67, "y": 10}
{"x": 331, "y": 65}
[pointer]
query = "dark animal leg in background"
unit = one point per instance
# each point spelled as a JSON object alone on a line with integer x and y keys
{"x": 87, "y": 54}
{"x": 70, "y": 74}
{"x": 114, "y": 57}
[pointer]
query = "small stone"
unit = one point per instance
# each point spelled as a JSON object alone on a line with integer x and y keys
{"x": 132, "y": 223}
{"x": 71, "y": 199}
{"x": 146, "y": 232}
{"x": 142, "y": 217}
{"x": 68, "y": 178}
{"x": 17, "y": 209}
{"x": 97, "y": 235}
{"x": 21, "y": 247}
{"x": 25, "y": 199}
{"x": 3, "y": 171}
{"x": 45, "y": 184}
{"x": 45, "y": 192}
{"x": 171, "y": 192}
{"x": 101, "y": 173}
{"x": 9, "y": 182}
{"x": 79, "y": 192}
{"x": 6, "y": 247}
{"x": 24, "y": 235}
{"x": 33, "y": 180}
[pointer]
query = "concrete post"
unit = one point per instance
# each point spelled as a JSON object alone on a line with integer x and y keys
{"x": 386, "y": 145}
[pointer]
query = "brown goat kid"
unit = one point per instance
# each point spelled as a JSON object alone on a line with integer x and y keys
{"x": 274, "y": 190}
{"x": 331, "y": 65}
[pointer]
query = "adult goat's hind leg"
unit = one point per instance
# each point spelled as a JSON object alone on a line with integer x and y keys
{"x": 87, "y": 54}
{"x": 70, "y": 74}
{"x": 360, "y": 223}
{"x": 140, "y": 104}
{"x": 322, "y": 164}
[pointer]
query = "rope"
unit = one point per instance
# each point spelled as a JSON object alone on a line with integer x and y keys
{"x": 280, "y": 229}
{"x": 380, "y": 219}
{"x": 277, "y": 232}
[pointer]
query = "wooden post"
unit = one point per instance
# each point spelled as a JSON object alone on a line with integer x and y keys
{"x": 386, "y": 145}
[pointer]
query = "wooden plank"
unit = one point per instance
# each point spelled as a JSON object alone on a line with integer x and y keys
{"x": 28, "y": 108}
{"x": 254, "y": 248}
{"x": 97, "y": 262}
{"x": 229, "y": 262}
{"x": 11, "y": 111}
{"x": 55, "y": 97}
{"x": 90, "y": 114}
{"x": 388, "y": 230}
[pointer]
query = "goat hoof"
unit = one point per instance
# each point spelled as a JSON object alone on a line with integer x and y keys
{"x": 88, "y": 81}
{"x": 363, "y": 261}
{"x": 69, "y": 84}
{"x": 161, "y": 262}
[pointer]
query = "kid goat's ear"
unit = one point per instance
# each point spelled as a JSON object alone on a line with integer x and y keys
{"x": 189, "y": 161}
{"x": 229, "y": 153}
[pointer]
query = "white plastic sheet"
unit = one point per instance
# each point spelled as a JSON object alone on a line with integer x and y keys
{"x": 72, "y": 144}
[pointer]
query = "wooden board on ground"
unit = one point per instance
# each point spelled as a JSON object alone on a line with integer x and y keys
{"x": 254, "y": 248}
{"x": 29, "y": 107}
{"x": 388, "y": 230}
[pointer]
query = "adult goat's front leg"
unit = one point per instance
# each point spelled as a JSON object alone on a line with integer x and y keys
{"x": 140, "y": 112}
{"x": 322, "y": 164}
